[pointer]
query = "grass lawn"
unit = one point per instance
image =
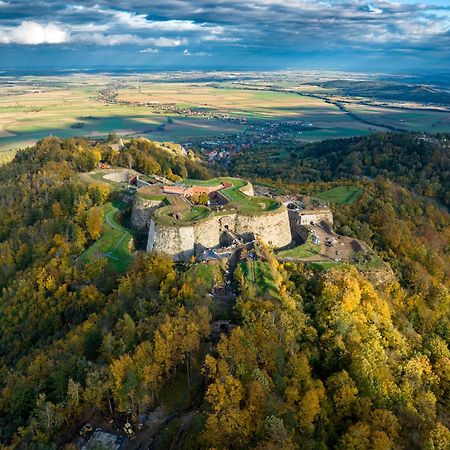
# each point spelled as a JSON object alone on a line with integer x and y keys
{"x": 342, "y": 195}
{"x": 369, "y": 262}
{"x": 203, "y": 276}
{"x": 244, "y": 203}
{"x": 113, "y": 244}
{"x": 181, "y": 214}
{"x": 326, "y": 265}
{"x": 260, "y": 278}
{"x": 156, "y": 198}
{"x": 302, "y": 251}
{"x": 236, "y": 182}
{"x": 196, "y": 213}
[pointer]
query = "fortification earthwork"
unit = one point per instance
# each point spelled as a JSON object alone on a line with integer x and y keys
{"x": 179, "y": 227}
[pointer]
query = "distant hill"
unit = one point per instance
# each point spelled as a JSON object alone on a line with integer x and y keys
{"x": 390, "y": 91}
{"x": 415, "y": 160}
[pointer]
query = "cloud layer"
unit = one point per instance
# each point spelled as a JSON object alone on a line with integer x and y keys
{"x": 232, "y": 28}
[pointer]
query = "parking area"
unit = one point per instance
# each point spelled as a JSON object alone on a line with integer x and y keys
{"x": 334, "y": 247}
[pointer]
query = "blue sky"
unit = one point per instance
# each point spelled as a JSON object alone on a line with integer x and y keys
{"x": 227, "y": 34}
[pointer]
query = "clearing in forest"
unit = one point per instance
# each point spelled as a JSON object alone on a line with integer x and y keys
{"x": 113, "y": 244}
{"x": 342, "y": 195}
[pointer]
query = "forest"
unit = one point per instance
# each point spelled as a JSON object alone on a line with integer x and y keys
{"x": 417, "y": 161}
{"x": 332, "y": 361}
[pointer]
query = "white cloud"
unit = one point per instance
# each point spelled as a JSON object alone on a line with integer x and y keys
{"x": 34, "y": 33}
{"x": 126, "y": 39}
{"x": 137, "y": 21}
{"x": 186, "y": 52}
{"x": 168, "y": 42}
{"x": 149, "y": 50}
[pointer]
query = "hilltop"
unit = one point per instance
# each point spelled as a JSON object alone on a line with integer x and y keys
{"x": 274, "y": 348}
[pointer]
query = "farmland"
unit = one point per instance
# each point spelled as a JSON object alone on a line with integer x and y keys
{"x": 165, "y": 108}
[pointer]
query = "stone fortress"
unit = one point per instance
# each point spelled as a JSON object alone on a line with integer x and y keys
{"x": 179, "y": 226}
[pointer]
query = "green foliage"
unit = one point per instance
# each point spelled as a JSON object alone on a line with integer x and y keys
{"x": 314, "y": 358}
{"x": 414, "y": 160}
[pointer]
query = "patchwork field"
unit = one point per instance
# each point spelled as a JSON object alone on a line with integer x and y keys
{"x": 180, "y": 110}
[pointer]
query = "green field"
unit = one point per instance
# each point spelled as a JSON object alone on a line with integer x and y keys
{"x": 202, "y": 276}
{"x": 342, "y": 195}
{"x": 301, "y": 251}
{"x": 73, "y": 106}
{"x": 113, "y": 244}
{"x": 244, "y": 203}
{"x": 181, "y": 214}
{"x": 32, "y": 108}
{"x": 259, "y": 278}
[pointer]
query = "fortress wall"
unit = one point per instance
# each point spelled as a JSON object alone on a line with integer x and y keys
{"x": 306, "y": 217}
{"x": 142, "y": 212}
{"x": 172, "y": 240}
{"x": 248, "y": 189}
{"x": 207, "y": 232}
{"x": 272, "y": 228}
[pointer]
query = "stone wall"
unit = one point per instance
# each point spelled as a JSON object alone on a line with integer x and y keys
{"x": 272, "y": 228}
{"x": 207, "y": 232}
{"x": 182, "y": 242}
{"x": 142, "y": 212}
{"x": 315, "y": 217}
{"x": 175, "y": 241}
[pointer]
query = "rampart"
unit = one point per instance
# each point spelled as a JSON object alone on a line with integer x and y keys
{"x": 142, "y": 212}
{"x": 184, "y": 241}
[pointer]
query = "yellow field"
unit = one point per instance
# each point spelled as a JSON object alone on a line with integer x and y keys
{"x": 141, "y": 104}
{"x": 265, "y": 103}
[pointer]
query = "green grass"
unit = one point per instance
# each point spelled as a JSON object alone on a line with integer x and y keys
{"x": 326, "y": 265}
{"x": 196, "y": 213}
{"x": 156, "y": 198}
{"x": 369, "y": 262}
{"x": 181, "y": 215}
{"x": 255, "y": 205}
{"x": 260, "y": 278}
{"x": 236, "y": 182}
{"x": 342, "y": 195}
{"x": 302, "y": 251}
{"x": 203, "y": 276}
{"x": 246, "y": 204}
{"x": 113, "y": 244}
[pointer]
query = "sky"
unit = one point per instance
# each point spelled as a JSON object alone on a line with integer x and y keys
{"x": 357, "y": 35}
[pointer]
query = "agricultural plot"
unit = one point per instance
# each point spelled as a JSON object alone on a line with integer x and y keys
{"x": 90, "y": 105}
{"x": 411, "y": 120}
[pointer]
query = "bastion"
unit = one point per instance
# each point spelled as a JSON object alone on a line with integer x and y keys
{"x": 182, "y": 229}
